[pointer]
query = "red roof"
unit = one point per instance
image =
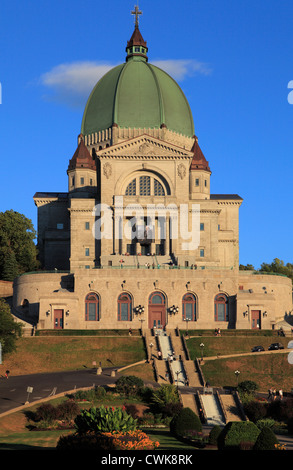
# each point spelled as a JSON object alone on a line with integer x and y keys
{"x": 136, "y": 39}
{"x": 198, "y": 162}
{"x": 82, "y": 158}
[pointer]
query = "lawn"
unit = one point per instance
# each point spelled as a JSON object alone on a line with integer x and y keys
{"x": 48, "y": 354}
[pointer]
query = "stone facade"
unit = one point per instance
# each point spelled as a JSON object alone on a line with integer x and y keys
{"x": 139, "y": 240}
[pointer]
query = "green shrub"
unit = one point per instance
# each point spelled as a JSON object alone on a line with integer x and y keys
{"x": 165, "y": 400}
{"x": 265, "y": 423}
{"x": 247, "y": 386}
{"x": 236, "y": 432}
{"x": 290, "y": 426}
{"x": 45, "y": 412}
{"x": 255, "y": 410}
{"x": 129, "y": 385}
{"x": 104, "y": 419}
{"x": 67, "y": 410}
{"x": 185, "y": 420}
{"x": 82, "y": 442}
{"x": 214, "y": 434}
{"x": 266, "y": 440}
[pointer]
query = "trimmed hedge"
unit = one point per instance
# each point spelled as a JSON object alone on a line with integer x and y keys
{"x": 266, "y": 440}
{"x": 185, "y": 420}
{"x": 236, "y": 432}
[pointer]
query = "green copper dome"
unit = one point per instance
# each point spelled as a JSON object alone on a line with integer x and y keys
{"x": 136, "y": 94}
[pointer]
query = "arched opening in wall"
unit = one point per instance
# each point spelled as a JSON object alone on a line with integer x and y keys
{"x": 25, "y": 305}
{"x": 189, "y": 307}
{"x": 157, "y": 313}
{"x": 221, "y": 307}
{"x": 124, "y": 307}
{"x": 92, "y": 307}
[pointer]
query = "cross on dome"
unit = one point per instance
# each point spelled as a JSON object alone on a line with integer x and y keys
{"x": 137, "y": 13}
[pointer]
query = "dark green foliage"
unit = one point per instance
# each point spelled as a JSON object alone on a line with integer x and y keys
{"x": 104, "y": 419}
{"x": 278, "y": 266}
{"x": 185, "y": 420}
{"x": 214, "y": 434}
{"x": 18, "y": 253}
{"x": 65, "y": 411}
{"x": 247, "y": 386}
{"x": 129, "y": 385}
{"x": 280, "y": 410}
{"x": 83, "y": 442}
{"x": 236, "y": 432}
{"x": 10, "y": 330}
{"x": 266, "y": 440}
{"x": 255, "y": 410}
{"x": 45, "y": 412}
{"x": 290, "y": 426}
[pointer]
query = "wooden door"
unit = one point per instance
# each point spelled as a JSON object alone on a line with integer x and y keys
{"x": 256, "y": 319}
{"x": 157, "y": 310}
{"x": 58, "y": 319}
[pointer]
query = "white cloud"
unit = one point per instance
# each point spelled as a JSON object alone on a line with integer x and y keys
{"x": 180, "y": 69}
{"x": 71, "y": 83}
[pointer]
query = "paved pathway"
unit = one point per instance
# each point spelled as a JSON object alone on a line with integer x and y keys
{"x": 13, "y": 391}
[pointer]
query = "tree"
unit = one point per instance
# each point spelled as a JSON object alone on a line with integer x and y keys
{"x": 266, "y": 440}
{"x": 18, "y": 253}
{"x": 186, "y": 420}
{"x": 10, "y": 330}
{"x": 278, "y": 266}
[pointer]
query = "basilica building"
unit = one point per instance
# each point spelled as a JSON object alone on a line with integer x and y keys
{"x": 139, "y": 240}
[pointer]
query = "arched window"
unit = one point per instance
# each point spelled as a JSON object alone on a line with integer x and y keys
{"x": 92, "y": 310}
{"x": 124, "y": 307}
{"x": 145, "y": 186}
{"x": 156, "y": 298}
{"x": 221, "y": 308}
{"x": 189, "y": 307}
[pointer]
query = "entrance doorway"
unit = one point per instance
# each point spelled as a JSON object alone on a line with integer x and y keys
{"x": 157, "y": 310}
{"x": 256, "y": 319}
{"x": 58, "y": 319}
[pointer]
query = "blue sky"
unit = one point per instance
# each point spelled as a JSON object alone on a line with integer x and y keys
{"x": 233, "y": 60}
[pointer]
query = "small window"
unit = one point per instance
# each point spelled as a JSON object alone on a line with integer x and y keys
{"x": 87, "y": 266}
{"x": 221, "y": 308}
{"x": 59, "y": 226}
{"x": 201, "y": 253}
{"x": 92, "y": 311}
{"x": 91, "y": 182}
{"x": 87, "y": 225}
{"x": 144, "y": 185}
{"x": 158, "y": 189}
{"x": 205, "y": 183}
{"x": 131, "y": 188}
{"x": 124, "y": 307}
{"x": 197, "y": 182}
{"x": 219, "y": 227}
{"x": 189, "y": 307}
{"x": 82, "y": 181}
{"x": 72, "y": 181}
{"x": 201, "y": 227}
{"x": 87, "y": 252}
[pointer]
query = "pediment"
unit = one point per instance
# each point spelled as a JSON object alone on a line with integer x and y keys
{"x": 145, "y": 147}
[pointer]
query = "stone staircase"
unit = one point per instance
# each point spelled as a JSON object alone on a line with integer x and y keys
{"x": 231, "y": 409}
{"x": 188, "y": 401}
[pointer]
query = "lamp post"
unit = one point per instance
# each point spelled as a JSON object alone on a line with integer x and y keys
{"x": 151, "y": 346}
{"x": 237, "y": 373}
{"x": 177, "y": 373}
{"x": 174, "y": 309}
{"x": 201, "y": 347}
